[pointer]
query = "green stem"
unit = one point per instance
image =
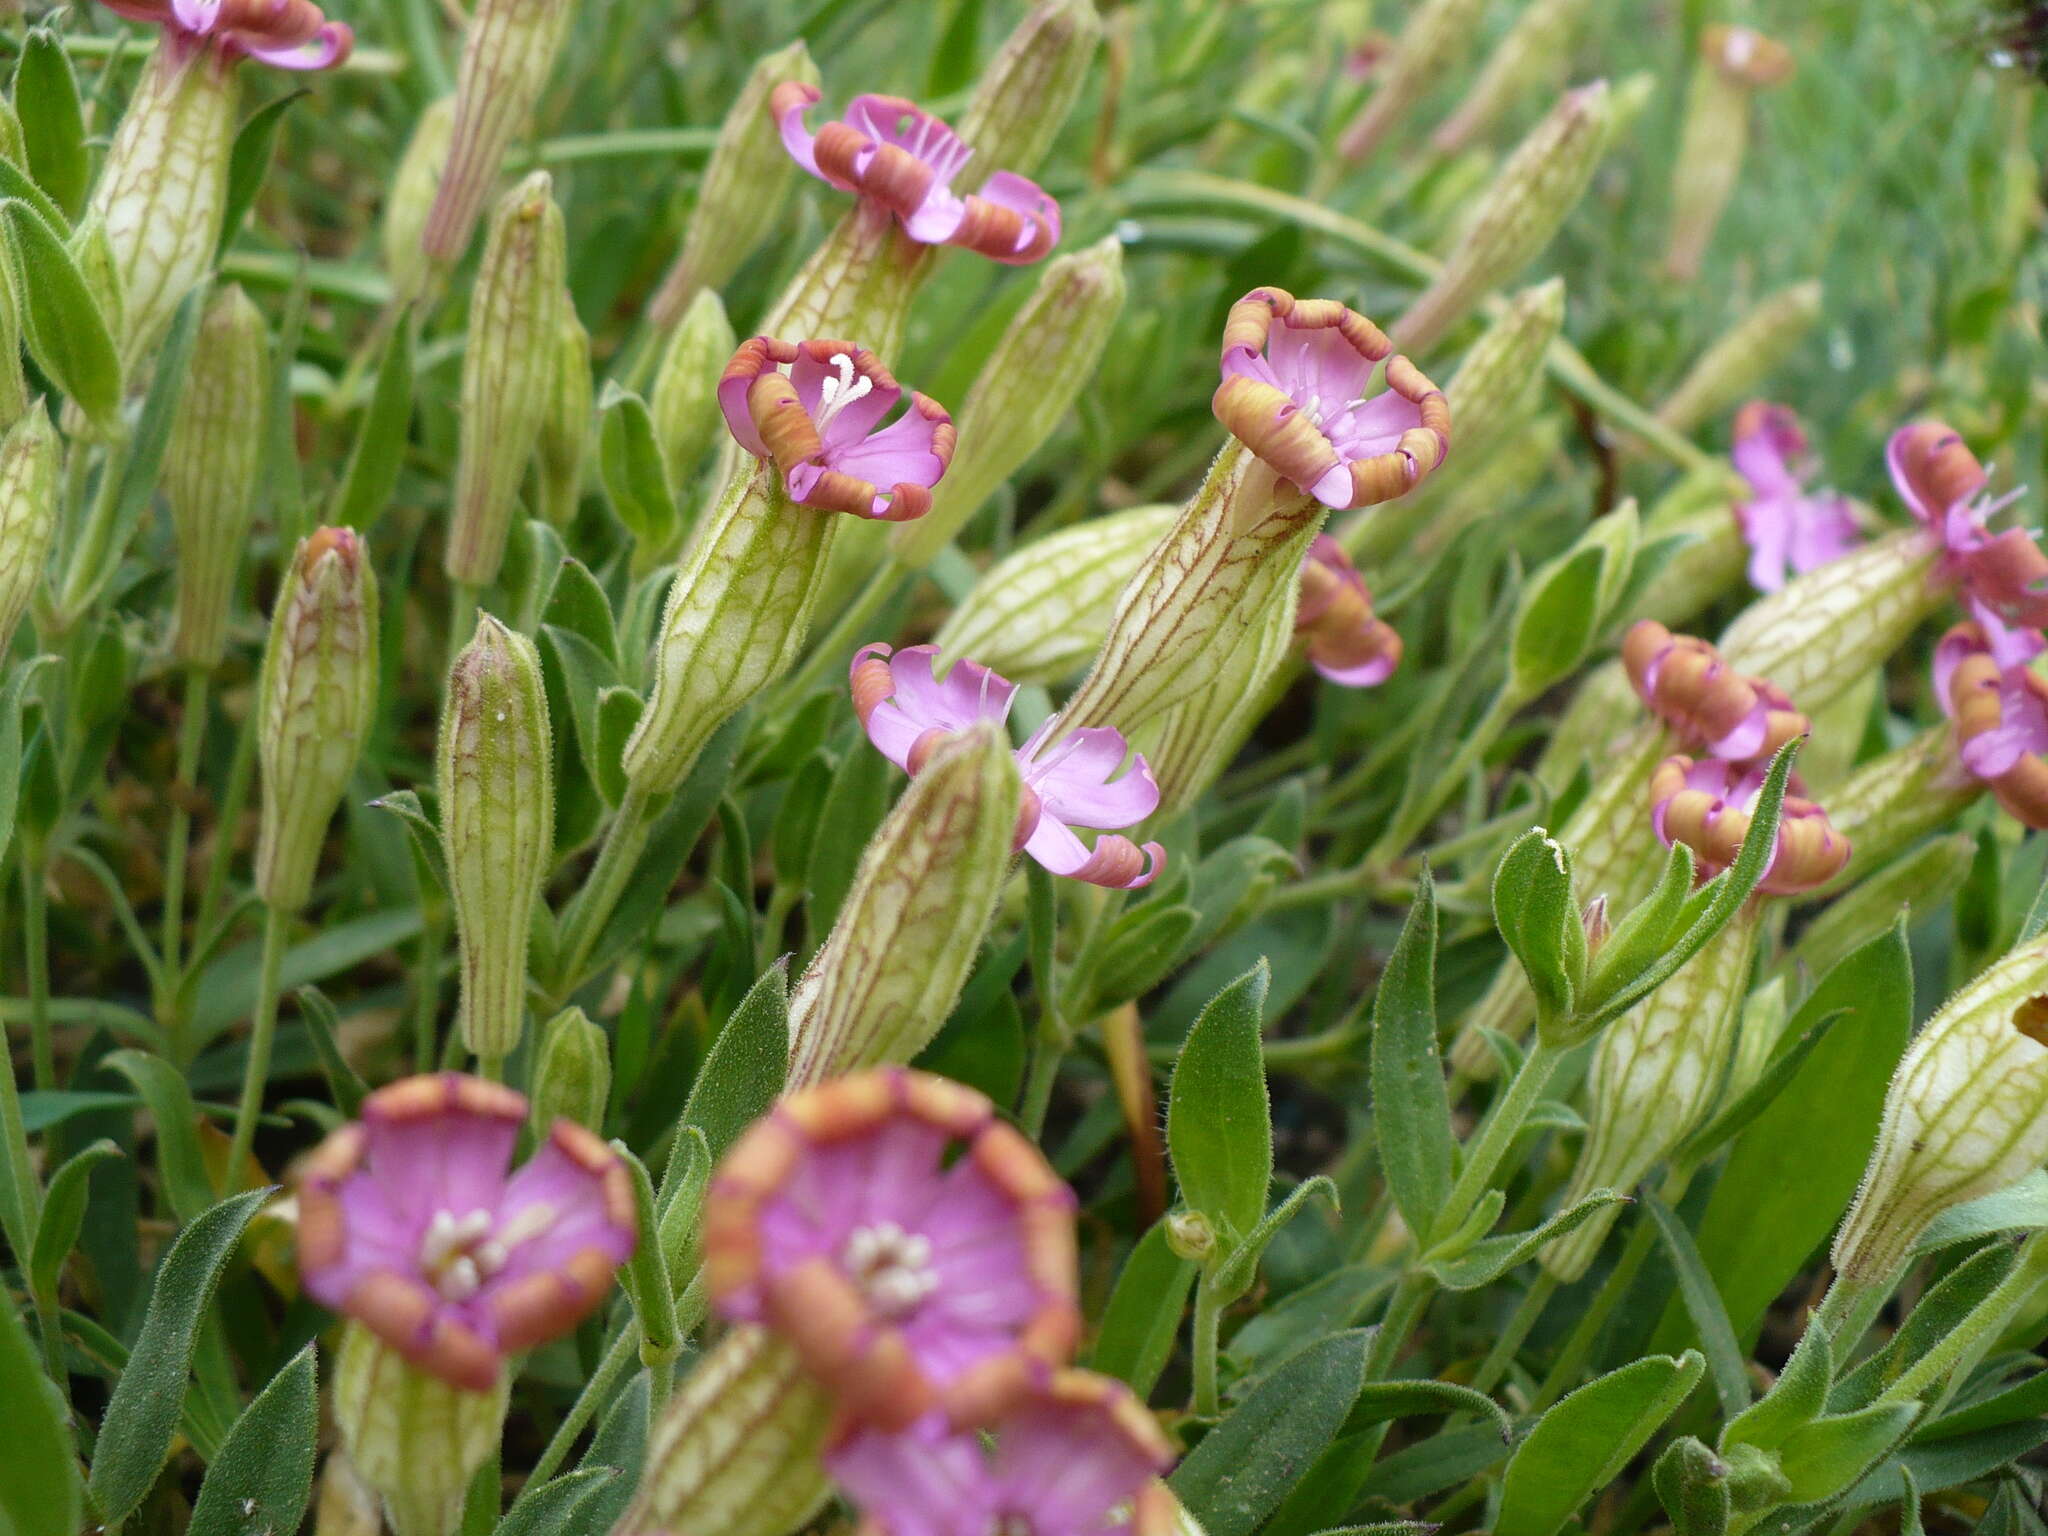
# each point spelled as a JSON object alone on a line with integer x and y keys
{"x": 619, "y": 1357}
{"x": 1046, "y": 1057}
{"x": 426, "y": 998}
{"x": 241, "y": 773}
{"x": 35, "y": 939}
{"x": 1208, "y": 1401}
{"x": 1434, "y": 788}
{"x": 1984, "y": 1323}
{"x": 19, "y": 1216}
{"x": 1516, "y": 1333}
{"x": 1404, "y": 1310}
{"x": 1483, "y": 1156}
{"x": 1571, "y": 1360}
{"x": 262, "y": 1033}
{"x": 462, "y": 607}
{"x": 95, "y": 540}
{"x": 191, "y": 737}
{"x": 593, "y": 906}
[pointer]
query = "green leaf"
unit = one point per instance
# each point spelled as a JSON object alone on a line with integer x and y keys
{"x": 1328, "y": 1305}
{"x": 2028, "y": 1400}
{"x": 635, "y": 477}
{"x": 799, "y": 816}
{"x": 379, "y": 451}
{"x": 2021, "y": 1207}
{"x": 1556, "y": 620}
{"x": 564, "y": 1507}
{"x": 17, "y": 183}
{"x": 854, "y": 808}
{"x": 1582, "y": 1443}
{"x": 1936, "y": 1315}
{"x": 1641, "y": 935}
{"x": 1797, "y": 1398}
{"x": 1244, "y": 1467}
{"x": 1411, "y": 1106}
{"x": 576, "y": 602}
{"x": 1692, "y": 1484}
{"x": 1733, "y": 1118}
{"x": 178, "y": 1163}
{"x": 1538, "y": 916}
{"x": 142, "y": 1414}
{"x": 262, "y": 1479}
{"x": 1823, "y": 1458}
{"x": 645, "y": 1277}
{"x": 249, "y": 164}
{"x": 11, "y": 697}
{"x": 952, "y": 66}
{"x": 1218, "y": 1125}
{"x": 1947, "y": 1463}
{"x": 1139, "y": 952}
{"x": 1486, "y": 1262}
{"x": 1379, "y": 1401}
{"x": 1789, "y": 1176}
{"x": 39, "y": 1473}
{"x": 1234, "y": 1276}
{"x": 323, "y": 1025}
{"x": 52, "y": 120}
{"x": 420, "y": 828}
{"x": 1143, "y": 1316}
{"x": 63, "y": 1215}
{"x": 618, "y": 716}
{"x": 744, "y": 1070}
{"x": 61, "y": 325}
{"x": 229, "y": 991}
{"x": 1725, "y": 1359}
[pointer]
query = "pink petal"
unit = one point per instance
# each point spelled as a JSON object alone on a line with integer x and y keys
{"x": 1761, "y": 459}
{"x": 196, "y": 15}
{"x": 969, "y": 694}
{"x": 1335, "y": 488}
{"x": 1075, "y": 784}
{"x": 454, "y": 1161}
{"x": 1823, "y": 530}
{"x": 1020, "y": 194}
{"x": 1895, "y": 462}
{"x": 574, "y": 1197}
{"x": 889, "y": 120}
{"x": 923, "y": 1482}
{"x": 739, "y": 421}
{"x": 893, "y": 733}
{"x": 938, "y": 217}
{"x": 1376, "y": 426}
{"x": 1053, "y": 844}
{"x": 897, "y": 455}
{"x": 328, "y": 47}
{"x": 1950, "y": 652}
{"x": 1766, "y": 525}
{"x": 1367, "y": 674}
{"x": 1067, "y": 1469}
{"x": 851, "y": 422}
{"x": 797, "y": 137}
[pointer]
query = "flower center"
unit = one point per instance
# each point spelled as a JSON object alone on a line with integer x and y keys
{"x": 835, "y": 395}
{"x": 1015, "y": 1525}
{"x": 459, "y": 1253}
{"x": 892, "y": 1267}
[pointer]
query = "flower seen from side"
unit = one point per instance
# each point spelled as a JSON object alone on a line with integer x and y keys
{"x": 1999, "y": 576}
{"x": 1707, "y": 805}
{"x": 1788, "y": 531}
{"x": 1985, "y": 683}
{"x": 1346, "y": 642}
{"x": 1707, "y": 703}
{"x": 287, "y": 34}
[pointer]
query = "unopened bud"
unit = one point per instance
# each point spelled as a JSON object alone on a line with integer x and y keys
{"x": 411, "y": 199}
{"x": 28, "y": 513}
{"x": 1024, "y": 95}
{"x": 497, "y": 788}
{"x": 1736, "y": 366}
{"x": 1514, "y": 219}
{"x": 565, "y": 425}
{"x": 1654, "y": 1077}
{"x": 906, "y": 937}
{"x": 1438, "y": 34}
{"x": 1534, "y": 54}
{"x": 739, "y": 1449}
{"x": 1039, "y": 613}
{"x": 572, "y": 1079}
{"x": 162, "y": 227}
{"x": 1594, "y": 924}
{"x": 742, "y": 191}
{"x": 314, "y": 702}
{"x": 508, "y": 373}
{"x": 1494, "y": 389}
{"x": 1734, "y": 64}
{"x": 1966, "y": 1114}
{"x": 1817, "y": 635}
{"x": 1028, "y": 383}
{"x": 1190, "y": 1236}
{"x": 507, "y": 55}
{"x": 210, "y": 469}
{"x": 684, "y": 404}
{"x": 390, "y": 1414}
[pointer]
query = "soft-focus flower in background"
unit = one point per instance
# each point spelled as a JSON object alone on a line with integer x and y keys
{"x": 1079, "y": 1457}
{"x": 898, "y": 156}
{"x": 907, "y": 711}
{"x": 1984, "y": 681}
{"x": 821, "y": 424}
{"x": 1685, "y": 683}
{"x": 1296, "y": 390}
{"x": 2000, "y": 576}
{"x": 917, "y": 1250}
{"x": 289, "y": 34}
{"x": 1707, "y": 804}
{"x": 410, "y": 1224}
{"x": 1346, "y": 643}
{"x": 1787, "y": 530}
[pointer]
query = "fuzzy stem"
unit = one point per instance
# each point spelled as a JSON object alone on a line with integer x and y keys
{"x": 262, "y": 1033}
{"x": 241, "y": 772}
{"x": 191, "y": 737}
{"x": 1208, "y": 1402}
{"x": 35, "y": 940}
{"x": 1516, "y": 1333}
{"x": 426, "y": 1000}
{"x": 1482, "y": 1156}
{"x": 1404, "y": 1310}
{"x": 592, "y": 907}
{"x": 619, "y": 1357}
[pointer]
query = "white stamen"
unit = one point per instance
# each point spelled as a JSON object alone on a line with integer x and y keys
{"x": 835, "y": 395}
{"x": 892, "y": 1267}
{"x": 461, "y": 1280}
{"x": 459, "y": 1253}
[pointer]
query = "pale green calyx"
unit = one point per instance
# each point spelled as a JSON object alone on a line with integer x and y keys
{"x": 411, "y": 1437}
{"x": 1743, "y": 357}
{"x": 29, "y": 455}
{"x": 1025, "y": 94}
{"x": 684, "y": 402}
{"x": 411, "y": 200}
{"x": 1495, "y": 387}
{"x": 1534, "y": 53}
{"x": 565, "y": 426}
{"x": 572, "y": 1077}
{"x": 1437, "y": 34}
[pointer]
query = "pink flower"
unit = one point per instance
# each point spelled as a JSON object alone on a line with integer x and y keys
{"x": 916, "y": 1250}
{"x": 1346, "y": 643}
{"x": 409, "y": 1224}
{"x": 821, "y": 424}
{"x": 1787, "y": 530}
{"x": 1295, "y": 379}
{"x": 290, "y": 34}
{"x": 1081, "y": 1457}
{"x": 2000, "y": 707}
{"x": 1069, "y": 782}
{"x": 2002, "y": 576}
{"x": 1685, "y": 683}
{"x": 1707, "y": 805}
{"x": 899, "y": 157}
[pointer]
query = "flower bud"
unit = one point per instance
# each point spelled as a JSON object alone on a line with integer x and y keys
{"x": 1514, "y": 219}
{"x": 684, "y": 404}
{"x": 508, "y": 373}
{"x": 411, "y": 199}
{"x": 1025, "y": 94}
{"x": 1190, "y": 1236}
{"x": 1653, "y": 1080}
{"x": 1437, "y": 36}
{"x": 1817, "y": 635}
{"x": 1027, "y": 384}
{"x": 565, "y": 425}
{"x": 741, "y": 193}
{"x": 572, "y": 1078}
{"x": 507, "y": 55}
{"x": 738, "y": 1450}
{"x": 412, "y": 1437}
{"x": 497, "y": 787}
{"x": 736, "y": 619}
{"x": 314, "y": 701}
{"x": 210, "y": 468}
{"x": 1734, "y": 64}
{"x": 1966, "y": 1114}
{"x": 1234, "y": 551}
{"x": 28, "y": 513}
{"x": 906, "y": 937}
{"x": 1735, "y": 366}
{"x": 1039, "y": 613}
{"x": 1534, "y": 54}
{"x": 161, "y": 192}
{"x": 1494, "y": 389}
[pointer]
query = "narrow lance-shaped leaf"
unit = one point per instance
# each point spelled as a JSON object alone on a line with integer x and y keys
{"x": 1411, "y": 1107}
{"x": 1218, "y": 1124}
{"x": 262, "y": 1479}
